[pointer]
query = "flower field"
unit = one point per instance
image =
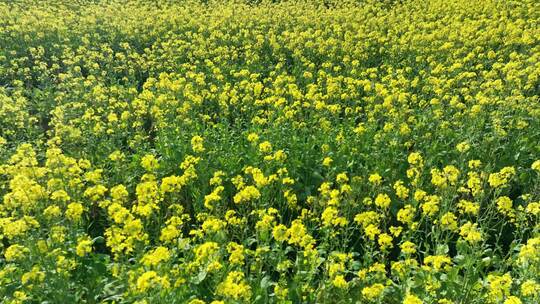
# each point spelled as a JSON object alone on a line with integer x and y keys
{"x": 270, "y": 151}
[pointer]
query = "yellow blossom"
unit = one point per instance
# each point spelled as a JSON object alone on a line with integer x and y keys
{"x": 15, "y": 252}
{"x": 74, "y": 211}
{"x": 382, "y": 201}
{"x": 375, "y": 179}
{"x": 150, "y": 280}
{"x": 149, "y": 163}
{"x": 327, "y": 161}
{"x": 156, "y": 256}
{"x": 84, "y": 246}
{"x": 197, "y": 144}
{"x": 412, "y": 299}
{"x": 249, "y": 193}
{"x": 372, "y": 292}
{"x": 408, "y": 247}
{"x": 234, "y": 287}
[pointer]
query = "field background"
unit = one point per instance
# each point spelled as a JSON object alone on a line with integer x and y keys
{"x": 270, "y": 152}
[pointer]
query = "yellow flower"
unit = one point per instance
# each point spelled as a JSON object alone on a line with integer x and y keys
{"x": 35, "y": 275}
{"x": 42, "y": 246}
{"x": 213, "y": 225}
{"x": 65, "y": 265}
{"x": 401, "y": 191}
{"x": 235, "y": 287}
{"x": 383, "y": 201}
{"x": 340, "y": 282}
{"x": 470, "y": 233}
{"x": 408, "y": 247}
{"x": 474, "y": 164}
{"x": 236, "y": 252}
{"x": 530, "y": 252}
{"x": 437, "y": 262}
{"x": 20, "y": 296}
{"x": 367, "y": 217}
{"x": 406, "y": 214}
{"x": 84, "y": 246}
{"x": 95, "y": 192}
{"x": 533, "y": 208}
{"x": 168, "y": 233}
{"x": 149, "y": 162}
{"x": 156, "y": 256}
{"x": 52, "y": 212}
{"x": 438, "y": 179}
{"x": 327, "y": 161}
{"x": 375, "y": 179}
{"x": 119, "y": 193}
{"x": 373, "y": 292}
{"x": 217, "y": 179}
{"x": 468, "y": 207}
{"x": 502, "y": 177}
{"x": 58, "y": 234}
{"x": 396, "y": 230}
{"x": 449, "y": 221}
{"x": 74, "y": 212}
{"x": 504, "y": 205}
{"x": 499, "y": 286}
{"x": 431, "y": 206}
{"x": 214, "y": 266}
{"x": 150, "y": 280}
{"x": 168, "y": 184}
{"x": 93, "y": 176}
{"x": 253, "y": 137}
{"x": 342, "y": 178}
{"x": 12, "y": 229}
{"x": 400, "y": 268}
{"x": 371, "y": 231}
{"x": 536, "y": 166}
{"x": 280, "y": 155}
{"x": 60, "y": 195}
{"x": 512, "y": 300}
{"x": 280, "y": 233}
{"x": 197, "y": 144}
{"x": 232, "y": 219}
{"x": 385, "y": 241}
{"x": 117, "y": 156}
{"x": 330, "y": 217}
{"x": 419, "y": 195}
{"x": 15, "y": 252}
{"x": 451, "y": 174}
{"x": 415, "y": 159}
{"x": 281, "y": 292}
{"x": 412, "y": 299}
{"x": 530, "y": 288}
{"x": 463, "y": 147}
{"x": 249, "y": 193}
{"x": 265, "y": 147}
{"x": 297, "y": 234}
{"x": 206, "y": 251}
{"x": 378, "y": 268}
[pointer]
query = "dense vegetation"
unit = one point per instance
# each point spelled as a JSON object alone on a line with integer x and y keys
{"x": 270, "y": 152}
